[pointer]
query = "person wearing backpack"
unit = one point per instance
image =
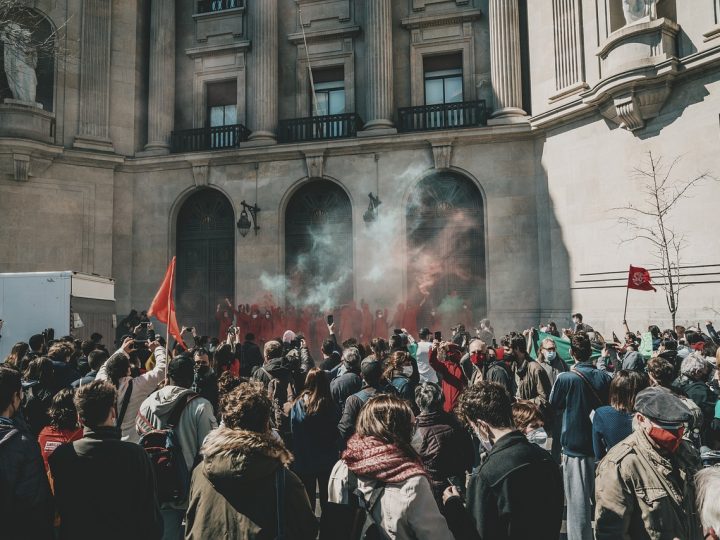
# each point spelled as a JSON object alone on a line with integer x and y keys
{"x": 277, "y": 379}
{"x": 381, "y": 467}
{"x": 577, "y": 393}
{"x": 399, "y": 371}
{"x": 104, "y": 487}
{"x": 242, "y": 488}
{"x": 191, "y": 418}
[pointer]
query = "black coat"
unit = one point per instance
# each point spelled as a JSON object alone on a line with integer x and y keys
{"x": 105, "y": 487}
{"x": 516, "y": 494}
{"x": 343, "y": 387}
{"x": 446, "y": 449}
{"x": 25, "y": 500}
{"x": 354, "y": 403}
{"x": 250, "y": 358}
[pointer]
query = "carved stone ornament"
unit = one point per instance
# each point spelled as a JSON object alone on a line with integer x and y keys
{"x": 315, "y": 165}
{"x": 201, "y": 172}
{"x": 22, "y": 167}
{"x": 442, "y": 154}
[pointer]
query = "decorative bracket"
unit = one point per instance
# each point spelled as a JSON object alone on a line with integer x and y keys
{"x": 201, "y": 172}
{"x": 22, "y": 167}
{"x": 442, "y": 154}
{"x": 315, "y": 164}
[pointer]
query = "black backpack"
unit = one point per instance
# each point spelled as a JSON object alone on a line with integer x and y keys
{"x": 166, "y": 456}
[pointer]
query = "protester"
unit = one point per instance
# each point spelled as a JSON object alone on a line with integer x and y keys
{"x": 195, "y": 421}
{"x": 550, "y": 360}
{"x": 63, "y": 426}
{"x": 17, "y": 353}
{"x": 278, "y": 382}
{"x": 694, "y": 373}
{"x": 531, "y": 379}
{"x": 233, "y": 490}
{"x": 529, "y": 420}
{"x": 443, "y": 443}
{"x": 399, "y": 372}
{"x": 251, "y": 357}
{"x": 96, "y": 359}
{"x": 517, "y": 491}
{"x": 39, "y": 382}
{"x": 314, "y": 424}
{"x": 422, "y": 356}
{"x": 101, "y": 482}
{"x": 707, "y": 484}
{"x": 613, "y": 423}
{"x": 349, "y": 382}
{"x": 205, "y": 380}
{"x": 25, "y": 499}
{"x": 445, "y": 360}
{"x": 388, "y": 473}
{"x": 577, "y": 393}
{"x": 644, "y": 486}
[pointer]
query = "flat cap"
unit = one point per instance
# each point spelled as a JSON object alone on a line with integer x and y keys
{"x": 662, "y": 406}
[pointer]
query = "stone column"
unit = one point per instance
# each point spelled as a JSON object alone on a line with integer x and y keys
{"x": 263, "y": 106}
{"x": 161, "y": 98}
{"x": 93, "y": 128}
{"x": 378, "y": 31}
{"x": 504, "y": 16}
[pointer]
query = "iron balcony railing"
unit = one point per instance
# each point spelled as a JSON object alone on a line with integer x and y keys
{"x": 209, "y": 138}
{"x": 210, "y": 6}
{"x": 313, "y": 128}
{"x": 443, "y": 116}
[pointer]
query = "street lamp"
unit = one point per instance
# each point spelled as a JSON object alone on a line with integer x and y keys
{"x": 244, "y": 224}
{"x": 371, "y": 213}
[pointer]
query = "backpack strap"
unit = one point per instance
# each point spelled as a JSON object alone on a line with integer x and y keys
{"x": 125, "y": 403}
{"x": 178, "y": 409}
{"x": 587, "y": 383}
{"x": 280, "y": 502}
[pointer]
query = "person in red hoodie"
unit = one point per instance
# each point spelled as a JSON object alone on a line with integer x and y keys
{"x": 63, "y": 426}
{"x": 445, "y": 360}
{"x": 410, "y": 317}
{"x": 380, "y": 325}
{"x": 367, "y": 323}
{"x": 225, "y": 316}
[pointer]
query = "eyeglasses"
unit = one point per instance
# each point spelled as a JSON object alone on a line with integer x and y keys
{"x": 549, "y": 349}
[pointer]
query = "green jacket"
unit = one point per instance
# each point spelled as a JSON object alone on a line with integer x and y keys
{"x": 642, "y": 495}
{"x": 232, "y": 494}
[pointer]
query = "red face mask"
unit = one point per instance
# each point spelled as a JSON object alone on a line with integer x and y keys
{"x": 477, "y": 358}
{"x": 667, "y": 440}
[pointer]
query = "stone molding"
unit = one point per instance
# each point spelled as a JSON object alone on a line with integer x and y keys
{"x": 325, "y": 12}
{"x": 442, "y": 154}
{"x": 226, "y": 22}
{"x": 201, "y": 172}
{"x": 329, "y": 34}
{"x": 419, "y": 5}
{"x": 441, "y": 19}
{"x": 315, "y": 163}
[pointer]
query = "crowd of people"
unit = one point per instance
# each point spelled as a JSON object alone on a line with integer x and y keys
{"x": 403, "y": 436}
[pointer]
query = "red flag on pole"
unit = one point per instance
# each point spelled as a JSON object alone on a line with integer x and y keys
{"x": 639, "y": 279}
{"x": 163, "y": 305}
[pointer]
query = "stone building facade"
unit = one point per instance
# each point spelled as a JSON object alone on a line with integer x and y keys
{"x": 499, "y": 136}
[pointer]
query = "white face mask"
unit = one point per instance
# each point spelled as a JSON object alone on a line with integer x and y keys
{"x": 485, "y": 443}
{"x": 254, "y": 315}
{"x": 550, "y": 355}
{"x": 407, "y": 371}
{"x": 538, "y": 436}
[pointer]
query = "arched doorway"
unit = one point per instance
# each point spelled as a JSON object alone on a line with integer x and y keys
{"x": 446, "y": 251}
{"x": 318, "y": 245}
{"x": 205, "y": 259}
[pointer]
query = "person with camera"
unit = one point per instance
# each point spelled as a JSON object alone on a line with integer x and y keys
{"x": 196, "y": 421}
{"x": 132, "y": 391}
{"x": 445, "y": 360}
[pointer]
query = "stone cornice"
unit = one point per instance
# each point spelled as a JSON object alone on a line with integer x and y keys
{"x": 441, "y": 19}
{"x": 324, "y": 35}
{"x": 197, "y": 52}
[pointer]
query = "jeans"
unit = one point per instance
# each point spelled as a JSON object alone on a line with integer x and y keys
{"x": 322, "y": 479}
{"x": 579, "y": 482}
{"x": 173, "y": 524}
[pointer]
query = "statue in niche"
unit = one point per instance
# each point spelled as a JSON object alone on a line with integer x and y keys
{"x": 636, "y": 10}
{"x": 20, "y": 62}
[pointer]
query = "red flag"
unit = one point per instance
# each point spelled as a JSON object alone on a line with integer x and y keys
{"x": 163, "y": 305}
{"x": 639, "y": 278}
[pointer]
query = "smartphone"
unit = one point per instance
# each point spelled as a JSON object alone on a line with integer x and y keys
{"x": 438, "y": 336}
{"x": 330, "y": 319}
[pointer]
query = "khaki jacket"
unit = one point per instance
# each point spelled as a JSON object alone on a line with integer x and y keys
{"x": 642, "y": 495}
{"x": 533, "y": 383}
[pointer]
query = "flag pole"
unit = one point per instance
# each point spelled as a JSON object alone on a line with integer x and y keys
{"x": 167, "y": 326}
{"x": 627, "y": 292}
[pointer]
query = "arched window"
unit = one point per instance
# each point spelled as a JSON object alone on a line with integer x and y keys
{"x": 205, "y": 259}
{"x": 318, "y": 245}
{"x": 446, "y": 250}
{"x": 28, "y": 36}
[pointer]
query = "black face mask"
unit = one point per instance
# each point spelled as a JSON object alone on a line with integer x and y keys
{"x": 203, "y": 371}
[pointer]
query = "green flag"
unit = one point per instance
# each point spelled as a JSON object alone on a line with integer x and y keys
{"x": 646, "y": 345}
{"x": 561, "y": 345}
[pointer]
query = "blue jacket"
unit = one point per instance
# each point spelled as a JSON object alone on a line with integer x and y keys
{"x": 572, "y": 395}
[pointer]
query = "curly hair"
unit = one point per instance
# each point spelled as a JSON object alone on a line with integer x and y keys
{"x": 62, "y": 412}
{"x": 247, "y": 407}
{"x": 60, "y": 352}
{"x": 94, "y": 402}
{"x": 486, "y": 401}
{"x": 396, "y": 361}
{"x": 226, "y": 384}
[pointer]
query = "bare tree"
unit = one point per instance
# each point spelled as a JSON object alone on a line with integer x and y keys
{"x": 648, "y": 220}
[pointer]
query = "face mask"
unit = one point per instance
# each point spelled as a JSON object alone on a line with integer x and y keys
{"x": 667, "y": 440}
{"x": 267, "y": 316}
{"x": 407, "y": 371}
{"x": 432, "y": 313}
{"x": 254, "y": 315}
{"x": 538, "y": 436}
{"x": 380, "y": 316}
{"x": 550, "y": 355}
{"x": 485, "y": 443}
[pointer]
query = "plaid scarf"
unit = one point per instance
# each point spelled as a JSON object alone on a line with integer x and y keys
{"x": 372, "y": 458}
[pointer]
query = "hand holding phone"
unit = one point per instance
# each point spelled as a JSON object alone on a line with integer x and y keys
{"x": 330, "y": 319}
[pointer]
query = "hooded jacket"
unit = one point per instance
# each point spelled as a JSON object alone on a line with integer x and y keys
{"x": 25, "y": 500}
{"x": 453, "y": 378}
{"x": 232, "y": 494}
{"x": 143, "y": 386}
{"x": 196, "y": 421}
{"x": 281, "y": 393}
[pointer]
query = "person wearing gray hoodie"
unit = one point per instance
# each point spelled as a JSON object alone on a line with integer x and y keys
{"x": 196, "y": 422}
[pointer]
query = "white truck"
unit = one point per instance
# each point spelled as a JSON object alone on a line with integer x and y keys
{"x": 68, "y": 302}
